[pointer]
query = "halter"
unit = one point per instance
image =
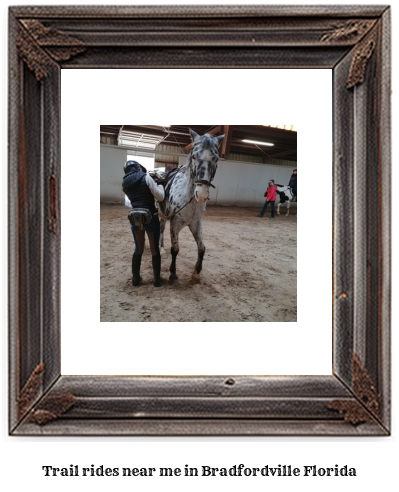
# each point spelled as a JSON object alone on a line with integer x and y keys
{"x": 203, "y": 181}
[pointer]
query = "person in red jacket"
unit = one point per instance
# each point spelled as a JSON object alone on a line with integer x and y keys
{"x": 270, "y": 195}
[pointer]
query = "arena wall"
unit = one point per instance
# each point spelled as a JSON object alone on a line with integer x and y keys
{"x": 236, "y": 183}
{"x": 112, "y": 160}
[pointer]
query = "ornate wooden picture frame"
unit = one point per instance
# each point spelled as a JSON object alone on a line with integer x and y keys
{"x": 353, "y": 42}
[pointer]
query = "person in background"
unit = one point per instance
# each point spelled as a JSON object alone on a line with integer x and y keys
{"x": 270, "y": 195}
{"x": 292, "y": 183}
{"x": 141, "y": 190}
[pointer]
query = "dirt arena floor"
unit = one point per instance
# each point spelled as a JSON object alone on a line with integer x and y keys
{"x": 249, "y": 270}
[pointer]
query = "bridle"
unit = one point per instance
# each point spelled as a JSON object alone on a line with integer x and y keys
{"x": 204, "y": 181}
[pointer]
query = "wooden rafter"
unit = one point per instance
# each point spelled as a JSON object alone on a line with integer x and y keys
{"x": 227, "y": 130}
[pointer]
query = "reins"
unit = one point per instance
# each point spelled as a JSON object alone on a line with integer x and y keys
{"x": 180, "y": 209}
{"x": 168, "y": 217}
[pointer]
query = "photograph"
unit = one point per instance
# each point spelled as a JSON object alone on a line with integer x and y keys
{"x": 205, "y": 212}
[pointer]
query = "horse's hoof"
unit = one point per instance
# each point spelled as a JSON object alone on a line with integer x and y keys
{"x": 195, "y": 278}
{"x": 173, "y": 276}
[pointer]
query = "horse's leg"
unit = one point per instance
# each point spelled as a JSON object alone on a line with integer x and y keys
{"x": 288, "y": 207}
{"x": 175, "y": 228}
{"x": 196, "y": 230}
{"x": 278, "y": 208}
{"x": 161, "y": 237}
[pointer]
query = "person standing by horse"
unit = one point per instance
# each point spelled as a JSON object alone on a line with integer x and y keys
{"x": 141, "y": 189}
{"x": 270, "y": 195}
{"x": 292, "y": 183}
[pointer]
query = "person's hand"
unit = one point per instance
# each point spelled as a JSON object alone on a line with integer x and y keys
{"x": 157, "y": 178}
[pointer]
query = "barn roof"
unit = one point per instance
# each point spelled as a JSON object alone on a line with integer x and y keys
{"x": 177, "y": 137}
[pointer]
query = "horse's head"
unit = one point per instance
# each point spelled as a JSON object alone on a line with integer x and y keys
{"x": 203, "y": 162}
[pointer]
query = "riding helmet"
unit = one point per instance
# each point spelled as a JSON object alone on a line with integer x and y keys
{"x": 133, "y": 165}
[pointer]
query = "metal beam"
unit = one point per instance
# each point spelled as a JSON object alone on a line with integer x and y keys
{"x": 282, "y": 154}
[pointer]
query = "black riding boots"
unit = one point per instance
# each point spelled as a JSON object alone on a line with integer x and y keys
{"x": 136, "y": 264}
{"x": 156, "y": 266}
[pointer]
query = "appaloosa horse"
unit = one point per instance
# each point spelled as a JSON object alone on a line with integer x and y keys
{"x": 186, "y": 195}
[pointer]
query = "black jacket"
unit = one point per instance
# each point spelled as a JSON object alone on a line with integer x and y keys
{"x": 135, "y": 188}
